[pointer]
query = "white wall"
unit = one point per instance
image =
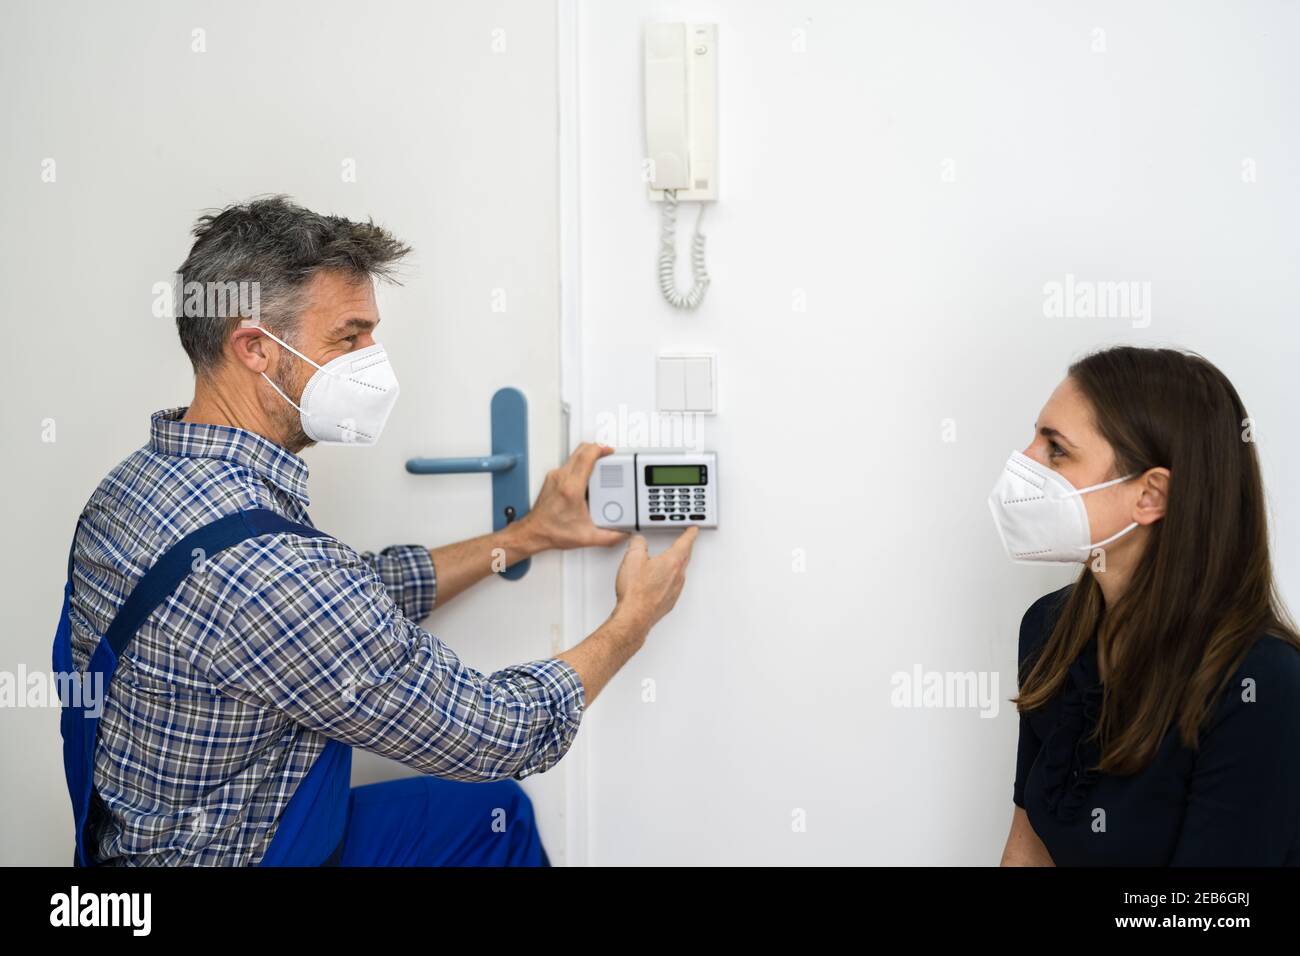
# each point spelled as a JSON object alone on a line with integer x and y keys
{"x": 924, "y": 302}
{"x": 454, "y": 140}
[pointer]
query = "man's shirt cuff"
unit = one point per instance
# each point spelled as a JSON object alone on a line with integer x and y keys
{"x": 556, "y": 687}
{"x": 407, "y": 573}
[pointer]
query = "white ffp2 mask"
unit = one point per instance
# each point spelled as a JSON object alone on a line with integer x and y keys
{"x": 347, "y": 400}
{"x": 1041, "y": 517}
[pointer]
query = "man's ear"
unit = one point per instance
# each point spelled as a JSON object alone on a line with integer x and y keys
{"x": 247, "y": 348}
{"x": 1151, "y": 503}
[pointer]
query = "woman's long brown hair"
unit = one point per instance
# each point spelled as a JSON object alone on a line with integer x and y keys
{"x": 1203, "y": 590}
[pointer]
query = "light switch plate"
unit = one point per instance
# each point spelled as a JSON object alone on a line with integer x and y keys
{"x": 687, "y": 382}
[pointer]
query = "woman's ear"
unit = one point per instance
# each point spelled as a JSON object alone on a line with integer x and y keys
{"x": 1151, "y": 503}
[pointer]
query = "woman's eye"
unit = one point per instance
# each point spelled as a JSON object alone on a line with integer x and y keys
{"x": 1053, "y": 449}
{"x": 352, "y": 338}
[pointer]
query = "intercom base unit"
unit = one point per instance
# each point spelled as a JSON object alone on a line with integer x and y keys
{"x": 647, "y": 491}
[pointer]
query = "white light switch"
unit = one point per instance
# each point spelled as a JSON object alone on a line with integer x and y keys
{"x": 687, "y": 382}
{"x": 670, "y": 384}
{"x": 699, "y": 385}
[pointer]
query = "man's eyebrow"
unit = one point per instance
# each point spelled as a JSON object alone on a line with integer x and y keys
{"x": 1053, "y": 434}
{"x": 354, "y": 324}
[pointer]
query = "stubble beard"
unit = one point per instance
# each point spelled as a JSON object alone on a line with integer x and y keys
{"x": 288, "y": 421}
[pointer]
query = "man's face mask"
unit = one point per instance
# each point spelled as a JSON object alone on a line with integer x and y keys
{"x": 348, "y": 400}
{"x": 1041, "y": 516}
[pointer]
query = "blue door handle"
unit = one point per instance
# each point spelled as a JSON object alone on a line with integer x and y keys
{"x": 495, "y": 464}
{"x": 507, "y": 464}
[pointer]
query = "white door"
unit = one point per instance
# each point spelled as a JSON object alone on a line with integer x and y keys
{"x": 479, "y": 311}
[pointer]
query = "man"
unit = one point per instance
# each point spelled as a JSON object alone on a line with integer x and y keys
{"x": 255, "y": 650}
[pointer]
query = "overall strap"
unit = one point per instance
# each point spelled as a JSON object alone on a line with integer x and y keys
{"x": 180, "y": 560}
{"x": 79, "y": 728}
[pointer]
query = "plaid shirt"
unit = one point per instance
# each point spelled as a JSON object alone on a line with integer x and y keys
{"x": 228, "y": 692}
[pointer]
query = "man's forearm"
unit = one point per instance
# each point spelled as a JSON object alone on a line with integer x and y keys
{"x": 558, "y": 519}
{"x": 598, "y": 658}
{"x": 459, "y": 565}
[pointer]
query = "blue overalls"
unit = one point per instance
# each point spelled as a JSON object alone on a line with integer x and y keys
{"x": 417, "y": 821}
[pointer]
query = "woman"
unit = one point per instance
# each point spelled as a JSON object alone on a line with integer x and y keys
{"x": 1160, "y": 693}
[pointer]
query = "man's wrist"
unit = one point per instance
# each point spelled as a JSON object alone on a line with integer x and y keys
{"x": 631, "y": 622}
{"x": 520, "y": 540}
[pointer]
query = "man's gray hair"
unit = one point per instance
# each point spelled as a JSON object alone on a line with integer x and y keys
{"x": 280, "y": 246}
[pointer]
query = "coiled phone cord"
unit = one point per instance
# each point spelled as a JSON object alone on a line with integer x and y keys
{"x": 668, "y": 257}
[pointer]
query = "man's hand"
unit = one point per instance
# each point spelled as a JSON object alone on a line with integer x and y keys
{"x": 560, "y": 518}
{"x": 646, "y": 587}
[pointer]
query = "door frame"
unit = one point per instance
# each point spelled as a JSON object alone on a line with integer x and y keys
{"x": 575, "y": 626}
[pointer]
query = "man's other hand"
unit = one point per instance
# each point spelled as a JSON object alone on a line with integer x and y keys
{"x": 560, "y": 517}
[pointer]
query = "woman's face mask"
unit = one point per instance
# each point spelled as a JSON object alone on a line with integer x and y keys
{"x": 1041, "y": 517}
{"x": 348, "y": 400}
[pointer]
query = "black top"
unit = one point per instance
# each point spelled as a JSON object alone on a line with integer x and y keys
{"x": 1235, "y": 801}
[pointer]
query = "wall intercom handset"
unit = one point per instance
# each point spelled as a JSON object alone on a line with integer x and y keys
{"x": 641, "y": 491}
{"x": 681, "y": 131}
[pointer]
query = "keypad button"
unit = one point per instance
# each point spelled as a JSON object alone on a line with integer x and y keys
{"x": 678, "y": 517}
{"x": 656, "y": 517}
{"x": 697, "y": 517}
